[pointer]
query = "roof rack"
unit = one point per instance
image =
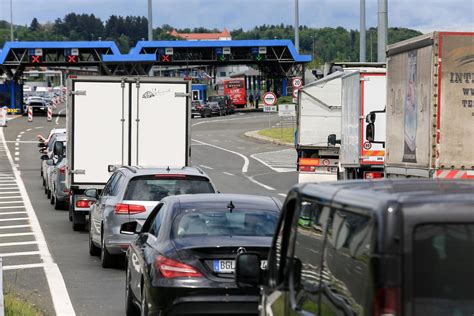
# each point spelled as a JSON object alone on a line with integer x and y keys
{"x": 132, "y": 169}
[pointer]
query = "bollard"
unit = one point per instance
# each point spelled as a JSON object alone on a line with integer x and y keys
{"x": 30, "y": 113}
{"x": 55, "y": 103}
{"x": 3, "y": 116}
{"x": 50, "y": 113}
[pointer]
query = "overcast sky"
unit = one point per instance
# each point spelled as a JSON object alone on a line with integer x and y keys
{"x": 423, "y": 15}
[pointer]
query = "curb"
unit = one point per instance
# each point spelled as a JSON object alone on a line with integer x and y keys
{"x": 255, "y": 135}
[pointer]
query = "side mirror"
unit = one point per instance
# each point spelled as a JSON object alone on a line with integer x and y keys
{"x": 58, "y": 148}
{"x": 44, "y": 157}
{"x": 92, "y": 193}
{"x": 370, "y": 118}
{"x": 129, "y": 228}
{"x": 332, "y": 140}
{"x": 370, "y": 132}
{"x": 50, "y": 162}
{"x": 247, "y": 270}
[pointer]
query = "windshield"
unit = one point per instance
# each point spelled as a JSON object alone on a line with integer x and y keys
{"x": 155, "y": 188}
{"x": 443, "y": 261}
{"x": 221, "y": 222}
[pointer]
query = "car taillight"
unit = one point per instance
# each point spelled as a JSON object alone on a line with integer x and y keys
{"x": 62, "y": 170}
{"x": 173, "y": 269}
{"x": 387, "y": 302}
{"x": 122, "y": 208}
{"x": 84, "y": 203}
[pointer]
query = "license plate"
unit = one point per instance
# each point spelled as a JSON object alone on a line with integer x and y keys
{"x": 228, "y": 266}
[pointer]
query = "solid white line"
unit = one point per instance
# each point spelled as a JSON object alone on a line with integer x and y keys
{"x": 57, "y": 287}
{"x": 15, "y": 254}
{"x": 246, "y": 160}
{"x": 30, "y": 266}
{"x": 260, "y": 183}
{"x": 10, "y": 197}
{"x": 282, "y": 194}
{"x": 266, "y": 164}
{"x": 229, "y": 174}
{"x": 9, "y": 213}
{"x": 16, "y": 234}
{"x": 10, "y": 202}
{"x": 18, "y": 243}
{"x": 14, "y": 226}
{"x": 206, "y": 167}
{"x": 7, "y": 207}
{"x": 9, "y": 192}
{"x": 14, "y": 219}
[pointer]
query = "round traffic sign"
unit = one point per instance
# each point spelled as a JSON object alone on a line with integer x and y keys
{"x": 269, "y": 98}
{"x": 326, "y": 162}
{"x": 295, "y": 92}
{"x": 297, "y": 82}
{"x": 367, "y": 145}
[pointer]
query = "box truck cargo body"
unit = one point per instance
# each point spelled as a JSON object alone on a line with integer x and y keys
{"x": 363, "y": 92}
{"x": 124, "y": 121}
{"x": 319, "y": 115}
{"x": 430, "y": 112}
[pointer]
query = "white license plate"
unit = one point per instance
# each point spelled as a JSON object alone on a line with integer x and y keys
{"x": 228, "y": 266}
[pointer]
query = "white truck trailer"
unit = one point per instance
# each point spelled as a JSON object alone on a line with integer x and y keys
{"x": 363, "y": 92}
{"x": 430, "y": 107}
{"x": 122, "y": 121}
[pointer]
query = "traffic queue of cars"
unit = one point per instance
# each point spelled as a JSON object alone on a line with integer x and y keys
{"x": 360, "y": 247}
{"x": 216, "y": 105}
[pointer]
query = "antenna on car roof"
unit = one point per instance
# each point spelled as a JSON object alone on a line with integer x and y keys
{"x": 230, "y": 206}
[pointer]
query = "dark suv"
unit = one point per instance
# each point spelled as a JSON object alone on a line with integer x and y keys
{"x": 370, "y": 248}
{"x": 224, "y": 101}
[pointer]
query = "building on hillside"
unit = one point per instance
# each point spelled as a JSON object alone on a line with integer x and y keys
{"x": 223, "y": 36}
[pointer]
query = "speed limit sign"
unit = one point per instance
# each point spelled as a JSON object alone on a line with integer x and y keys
{"x": 297, "y": 82}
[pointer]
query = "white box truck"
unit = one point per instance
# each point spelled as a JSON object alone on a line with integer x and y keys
{"x": 363, "y": 92}
{"x": 122, "y": 121}
{"x": 430, "y": 107}
{"x": 318, "y": 116}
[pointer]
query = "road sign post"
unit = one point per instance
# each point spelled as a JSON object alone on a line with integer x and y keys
{"x": 269, "y": 100}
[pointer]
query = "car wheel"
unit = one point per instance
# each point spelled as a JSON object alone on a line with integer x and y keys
{"x": 93, "y": 249}
{"x": 203, "y": 115}
{"x": 130, "y": 308}
{"x": 48, "y": 193}
{"x": 105, "y": 257}
{"x": 52, "y": 200}
{"x": 58, "y": 205}
{"x": 45, "y": 188}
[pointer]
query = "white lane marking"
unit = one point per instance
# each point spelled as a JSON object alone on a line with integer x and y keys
{"x": 251, "y": 179}
{"x": 16, "y": 254}
{"x": 18, "y": 243}
{"x": 17, "y": 140}
{"x": 7, "y": 187}
{"x": 39, "y": 127}
{"x": 17, "y": 148}
{"x": 57, "y": 118}
{"x": 9, "y": 192}
{"x": 16, "y": 234}
{"x": 226, "y": 120}
{"x": 9, "y": 213}
{"x": 10, "y": 197}
{"x": 30, "y": 266}
{"x": 228, "y": 173}
{"x": 57, "y": 287}
{"x": 14, "y": 226}
{"x": 206, "y": 167}
{"x": 17, "y": 153}
{"x": 6, "y": 181}
{"x": 23, "y": 132}
{"x": 14, "y": 219}
{"x": 282, "y": 194}
{"x": 10, "y": 202}
{"x": 17, "y": 159}
{"x": 29, "y": 129}
{"x": 246, "y": 160}
{"x": 5, "y": 207}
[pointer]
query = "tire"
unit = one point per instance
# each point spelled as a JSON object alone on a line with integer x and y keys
{"x": 203, "y": 115}
{"x": 58, "y": 205}
{"x": 106, "y": 259}
{"x": 48, "y": 193}
{"x": 93, "y": 249}
{"x": 52, "y": 200}
{"x": 45, "y": 188}
{"x": 130, "y": 308}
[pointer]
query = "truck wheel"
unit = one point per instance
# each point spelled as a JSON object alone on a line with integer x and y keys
{"x": 106, "y": 258}
{"x": 93, "y": 249}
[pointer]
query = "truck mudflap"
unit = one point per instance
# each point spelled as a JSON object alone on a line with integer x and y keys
{"x": 454, "y": 174}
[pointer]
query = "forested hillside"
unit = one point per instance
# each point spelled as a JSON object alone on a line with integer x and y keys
{"x": 328, "y": 44}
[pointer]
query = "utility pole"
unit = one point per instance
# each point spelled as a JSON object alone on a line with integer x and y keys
{"x": 297, "y": 28}
{"x": 150, "y": 21}
{"x": 362, "y": 45}
{"x": 382, "y": 30}
{"x": 314, "y": 57}
{"x": 11, "y": 21}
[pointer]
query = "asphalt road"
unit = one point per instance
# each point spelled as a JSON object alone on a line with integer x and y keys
{"x": 235, "y": 163}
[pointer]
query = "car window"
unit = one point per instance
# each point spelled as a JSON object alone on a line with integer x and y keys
{"x": 155, "y": 188}
{"x": 222, "y": 222}
{"x": 115, "y": 185}
{"x": 311, "y": 225}
{"x": 443, "y": 262}
{"x": 147, "y": 226}
{"x": 156, "y": 224}
{"x": 107, "y": 187}
{"x": 347, "y": 273}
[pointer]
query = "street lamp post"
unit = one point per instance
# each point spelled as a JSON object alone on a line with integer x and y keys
{"x": 150, "y": 21}
{"x": 297, "y": 28}
{"x": 11, "y": 20}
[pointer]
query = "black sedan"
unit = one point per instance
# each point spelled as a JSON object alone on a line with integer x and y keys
{"x": 202, "y": 110}
{"x": 217, "y": 109}
{"x": 183, "y": 260}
